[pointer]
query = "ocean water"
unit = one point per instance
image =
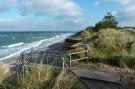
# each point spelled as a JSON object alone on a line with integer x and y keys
{"x": 13, "y": 43}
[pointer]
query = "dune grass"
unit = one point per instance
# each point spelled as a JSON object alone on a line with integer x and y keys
{"x": 115, "y": 47}
{"x": 110, "y": 46}
{"x": 82, "y": 35}
{"x": 40, "y": 77}
{"x": 65, "y": 81}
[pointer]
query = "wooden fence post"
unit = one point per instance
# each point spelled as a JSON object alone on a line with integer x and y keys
{"x": 87, "y": 53}
{"x": 63, "y": 63}
{"x": 70, "y": 58}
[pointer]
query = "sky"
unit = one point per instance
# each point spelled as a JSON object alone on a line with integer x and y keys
{"x": 62, "y": 15}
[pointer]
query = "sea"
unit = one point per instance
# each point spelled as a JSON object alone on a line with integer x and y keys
{"x": 14, "y": 43}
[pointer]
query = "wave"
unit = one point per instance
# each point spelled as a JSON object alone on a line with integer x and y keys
{"x": 35, "y": 45}
{"x": 14, "y": 45}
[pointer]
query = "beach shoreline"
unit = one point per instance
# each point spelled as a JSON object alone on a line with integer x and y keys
{"x": 56, "y": 47}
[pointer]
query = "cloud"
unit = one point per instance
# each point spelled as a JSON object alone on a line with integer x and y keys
{"x": 57, "y": 15}
{"x": 6, "y": 5}
{"x": 57, "y": 9}
{"x": 44, "y": 25}
{"x": 64, "y": 8}
{"x": 127, "y": 16}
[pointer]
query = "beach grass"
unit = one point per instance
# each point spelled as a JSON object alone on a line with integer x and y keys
{"x": 110, "y": 46}
{"x": 4, "y": 74}
{"x": 40, "y": 77}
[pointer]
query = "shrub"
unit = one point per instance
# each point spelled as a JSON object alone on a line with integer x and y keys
{"x": 109, "y": 21}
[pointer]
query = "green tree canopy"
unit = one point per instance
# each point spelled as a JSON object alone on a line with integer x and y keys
{"x": 109, "y": 21}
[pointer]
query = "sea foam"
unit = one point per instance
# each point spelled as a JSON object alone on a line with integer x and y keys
{"x": 23, "y": 47}
{"x": 14, "y": 45}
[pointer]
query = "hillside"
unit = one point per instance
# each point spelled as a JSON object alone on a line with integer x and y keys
{"x": 109, "y": 46}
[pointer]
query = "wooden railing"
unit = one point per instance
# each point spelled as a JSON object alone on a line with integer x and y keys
{"x": 50, "y": 58}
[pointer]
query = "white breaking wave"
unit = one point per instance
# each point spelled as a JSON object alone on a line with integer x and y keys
{"x": 14, "y": 45}
{"x": 35, "y": 45}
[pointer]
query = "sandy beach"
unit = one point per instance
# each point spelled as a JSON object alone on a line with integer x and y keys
{"x": 10, "y": 63}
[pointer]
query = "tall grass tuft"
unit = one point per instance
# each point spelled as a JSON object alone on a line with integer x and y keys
{"x": 4, "y": 74}
{"x": 115, "y": 47}
{"x": 35, "y": 78}
{"x": 65, "y": 81}
{"x": 43, "y": 77}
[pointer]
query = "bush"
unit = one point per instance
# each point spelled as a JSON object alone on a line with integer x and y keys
{"x": 109, "y": 21}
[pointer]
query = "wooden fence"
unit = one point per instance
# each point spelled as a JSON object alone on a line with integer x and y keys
{"x": 50, "y": 58}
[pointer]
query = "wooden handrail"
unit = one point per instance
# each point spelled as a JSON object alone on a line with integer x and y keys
{"x": 78, "y": 52}
{"x": 78, "y": 59}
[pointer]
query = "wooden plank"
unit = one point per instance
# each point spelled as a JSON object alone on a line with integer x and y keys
{"x": 57, "y": 52}
{"x": 102, "y": 76}
{"x": 78, "y": 52}
{"x": 78, "y": 59}
{"x": 70, "y": 58}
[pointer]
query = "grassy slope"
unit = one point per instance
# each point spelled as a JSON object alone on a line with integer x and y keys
{"x": 110, "y": 46}
{"x": 39, "y": 77}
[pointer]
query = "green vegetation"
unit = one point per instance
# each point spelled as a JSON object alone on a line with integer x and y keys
{"x": 109, "y": 45}
{"x": 40, "y": 77}
{"x": 77, "y": 38}
{"x": 3, "y": 74}
{"x": 82, "y": 35}
{"x": 106, "y": 44}
{"x": 113, "y": 47}
{"x": 109, "y": 21}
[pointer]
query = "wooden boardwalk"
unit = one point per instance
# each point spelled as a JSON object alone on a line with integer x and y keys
{"x": 96, "y": 75}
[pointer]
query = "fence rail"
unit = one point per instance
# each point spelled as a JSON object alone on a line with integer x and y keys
{"x": 51, "y": 57}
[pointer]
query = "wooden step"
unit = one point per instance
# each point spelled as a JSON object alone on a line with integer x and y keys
{"x": 90, "y": 74}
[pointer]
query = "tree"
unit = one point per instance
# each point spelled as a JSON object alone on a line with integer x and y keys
{"x": 109, "y": 21}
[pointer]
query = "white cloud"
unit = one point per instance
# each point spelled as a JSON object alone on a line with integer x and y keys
{"x": 5, "y": 5}
{"x": 49, "y": 25}
{"x": 127, "y": 16}
{"x": 124, "y": 2}
{"x": 50, "y": 7}
{"x": 58, "y": 15}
